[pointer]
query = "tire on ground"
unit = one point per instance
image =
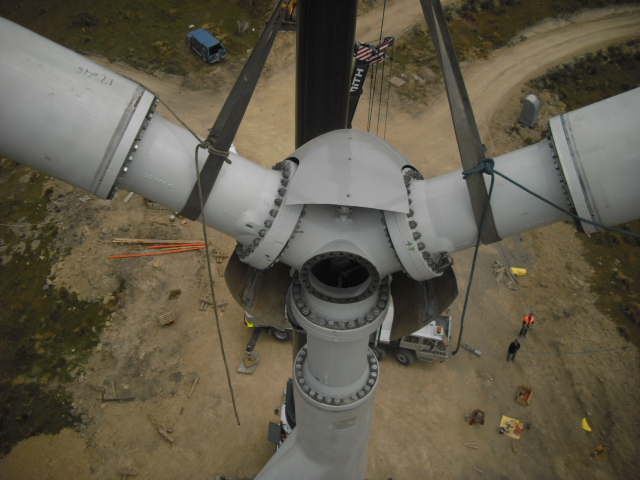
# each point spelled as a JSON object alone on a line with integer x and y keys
{"x": 280, "y": 335}
{"x": 405, "y": 357}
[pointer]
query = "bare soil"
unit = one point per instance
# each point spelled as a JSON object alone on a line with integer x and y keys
{"x": 419, "y": 430}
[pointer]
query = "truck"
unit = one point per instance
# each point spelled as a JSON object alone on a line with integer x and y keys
{"x": 429, "y": 344}
{"x": 281, "y": 331}
{"x": 206, "y": 45}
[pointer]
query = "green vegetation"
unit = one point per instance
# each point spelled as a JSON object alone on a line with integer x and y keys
{"x": 147, "y": 35}
{"x": 477, "y": 27}
{"x": 593, "y": 77}
{"x": 45, "y": 332}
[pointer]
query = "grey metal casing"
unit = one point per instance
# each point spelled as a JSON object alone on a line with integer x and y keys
{"x": 530, "y": 111}
{"x": 598, "y": 148}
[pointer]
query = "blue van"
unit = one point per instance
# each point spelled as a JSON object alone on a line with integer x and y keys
{"x": 206, "y": 45}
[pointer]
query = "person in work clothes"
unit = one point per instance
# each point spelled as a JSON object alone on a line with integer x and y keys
{"x": 527, "y": 323}
{"x": 513, "y": 350}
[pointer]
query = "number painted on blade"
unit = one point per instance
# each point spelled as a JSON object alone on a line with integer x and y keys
{"x": 98, "y": 76}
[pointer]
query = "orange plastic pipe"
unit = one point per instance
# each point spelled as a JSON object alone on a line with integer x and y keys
{"x": 156, "y": 253}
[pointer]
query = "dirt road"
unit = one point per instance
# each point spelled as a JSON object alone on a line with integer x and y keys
{"x": 492, "y": 81}
{"x": 418, "y": 429}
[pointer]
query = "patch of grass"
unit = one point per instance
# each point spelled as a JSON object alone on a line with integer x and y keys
{"x": 147, "y": 35}
{"x": 479, "y": 26}
{"x": 616, "y": 281}
{"x": 45, "y": 332}
{"x": 596, "y": 76}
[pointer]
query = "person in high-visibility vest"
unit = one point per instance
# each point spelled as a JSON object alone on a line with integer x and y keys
{"x": 527, "y": 323}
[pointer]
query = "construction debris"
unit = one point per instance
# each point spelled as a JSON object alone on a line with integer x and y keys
{"x": 477, "y": 470}
{"x": 471, "y": 349}
{"x": 167, "y": 319}
{"x": 205, "y": 302}
{"x": 249, "y": 363}
{"x": 218, "y": 255}
{"x": 511, "y": 427}
{"x": 486, "y": 377}
{"x": 598, "y": 452}
{"x": 397, "y": 82}
{"x": 113, "y": 397}
{"x": 178, "y": 245}
{"x": 128, "y": 197}
{"x": 123, "y": 474}
{"x": 505, "y": 274}
{"x": 157, "y": 253}
{"x": 149, "y": 240}
{"x": 161, "y": 429}
{"x": 193, "y": 387}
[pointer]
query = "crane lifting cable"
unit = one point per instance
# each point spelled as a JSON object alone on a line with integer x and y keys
{"x": 365, "y": 55}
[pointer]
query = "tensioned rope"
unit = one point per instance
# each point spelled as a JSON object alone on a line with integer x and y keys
{"x": 386, "y": 117}
{"x": 211, "y": 282}
{"x": 203, "y": 145}
{"x": 374, "y": 72}
{"x": 486, "y": 166}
